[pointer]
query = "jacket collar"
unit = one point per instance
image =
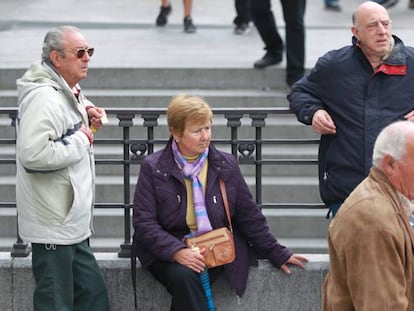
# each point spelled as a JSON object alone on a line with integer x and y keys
{"x": 395, "y": 64}
{"x": 379, "y": 177}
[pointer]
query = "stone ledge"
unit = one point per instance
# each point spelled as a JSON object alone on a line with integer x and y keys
{"x": 267, "y": 289}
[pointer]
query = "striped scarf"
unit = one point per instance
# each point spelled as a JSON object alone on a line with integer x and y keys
{"x": 191, "y": 170}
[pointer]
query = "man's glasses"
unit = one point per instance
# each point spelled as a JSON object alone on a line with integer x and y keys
{"x": 81, "y": 52}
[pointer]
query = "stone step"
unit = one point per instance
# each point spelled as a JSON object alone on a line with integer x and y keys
{"x": 276, "y": 127}
{"x": 298, "y": 245}
{"x": 140, "y": 98}
{"x": 284, "y": 223}
{"x": 113, "y": 245}
{"x": 169, "y": 78}
{"x": 102, "y": 169}
{"x": 284, "y": 189}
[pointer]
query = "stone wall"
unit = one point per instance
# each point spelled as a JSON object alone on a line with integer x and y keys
{"x": 267, "y": 289}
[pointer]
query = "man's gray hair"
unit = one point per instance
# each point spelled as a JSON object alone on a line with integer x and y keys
{"x": 53, "y": 40}
{"x": 392, "y": 141}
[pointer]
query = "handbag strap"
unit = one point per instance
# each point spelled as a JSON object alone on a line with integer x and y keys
{"x": 226, "y": 203}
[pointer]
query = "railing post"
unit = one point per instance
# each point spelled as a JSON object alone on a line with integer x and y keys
{"x": 258, "y": 121}
{"x": 150, "y": 121}
{"x": 126, "y": 122}
{"x": 20, "y": 248}
{"x": 233, "y": 121}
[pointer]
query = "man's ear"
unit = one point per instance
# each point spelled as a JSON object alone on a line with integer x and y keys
{"x": 354, "y": 31}
{"x": 55, "y": 58}
{"x": 388, "y": 163}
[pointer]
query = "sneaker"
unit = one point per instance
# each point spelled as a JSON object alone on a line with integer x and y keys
{"x": 241, "y": 29}
{"x": 162, "y": 18}
{"x": 188, "y": 25}
{"x": 267, "y": 60}
{"x": 386, "y": 3}
{"x": 333, "y": 6}
{"x": 411, "y": 5}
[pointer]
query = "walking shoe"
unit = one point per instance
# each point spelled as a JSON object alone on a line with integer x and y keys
{"x": 188, "y": 25}
{"x": 241, "y": 29}
{"x": 411, "y": 5}
{"x": 386, "y": 3}
{"x": 267, "y": 60}
{"x": 333, "y": 6}
{"x": 162, "y": 18}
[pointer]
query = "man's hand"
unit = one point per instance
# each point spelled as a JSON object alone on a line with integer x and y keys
{"x": 409, "y": 116}
{"x": 322, "y": 123}
{"x": 88, "y": 132}
{"x": 96, "y": 116}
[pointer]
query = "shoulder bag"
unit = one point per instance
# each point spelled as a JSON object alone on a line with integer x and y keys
{"x": 219, "y": 243}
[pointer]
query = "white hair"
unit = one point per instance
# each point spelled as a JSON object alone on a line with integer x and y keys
{"x": 392, "y": 141}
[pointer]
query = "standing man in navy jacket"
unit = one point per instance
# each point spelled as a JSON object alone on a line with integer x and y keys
{"x": 350, "y": 95}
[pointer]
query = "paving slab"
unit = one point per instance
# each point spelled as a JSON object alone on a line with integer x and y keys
{"x": 124, "y": 32}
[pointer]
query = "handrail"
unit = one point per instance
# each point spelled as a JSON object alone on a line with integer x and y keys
{"x": 248, "y": 151}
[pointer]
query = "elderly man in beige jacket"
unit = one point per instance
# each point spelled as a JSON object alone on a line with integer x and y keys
{"x": 371, "y": 241}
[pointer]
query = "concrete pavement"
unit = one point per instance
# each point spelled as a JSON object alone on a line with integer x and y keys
{"x": 124, "y": 33}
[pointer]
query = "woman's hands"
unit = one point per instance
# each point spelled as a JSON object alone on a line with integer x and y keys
{"x": 191, "y": 259}
{"x": 296, "y": 260}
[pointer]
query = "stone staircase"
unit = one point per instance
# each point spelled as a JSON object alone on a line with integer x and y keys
{"x": 303, "y": 230}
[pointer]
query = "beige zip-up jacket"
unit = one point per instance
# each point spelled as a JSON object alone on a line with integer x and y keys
{"x": 371, "y": 245}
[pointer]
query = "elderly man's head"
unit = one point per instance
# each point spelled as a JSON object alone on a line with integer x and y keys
{"x": 394, "y": 155}
{"x": 372, "y": 28}
{"x": 68, "y": 51}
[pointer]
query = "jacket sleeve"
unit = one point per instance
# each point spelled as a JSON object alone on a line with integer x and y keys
{"x": 306, "y": 96}
{"x": 152, "y": 237}
{"x": 48, "y": 137}
{"x": 251, "y": 223}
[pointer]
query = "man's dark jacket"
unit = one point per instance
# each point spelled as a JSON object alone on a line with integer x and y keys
{"x": 160, "y": 208}
{"x": 361, "y": 102}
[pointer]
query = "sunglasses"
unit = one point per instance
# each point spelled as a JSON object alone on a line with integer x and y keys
{"x": 81, "y": 52}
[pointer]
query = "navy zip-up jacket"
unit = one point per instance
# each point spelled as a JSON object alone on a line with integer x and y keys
{"x": 361, "y": 102}
{"x": 160, "y": 208}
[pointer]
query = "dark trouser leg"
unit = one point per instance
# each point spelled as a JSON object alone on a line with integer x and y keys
{"x": 293, "y": 13}
{"x": 52, "y": 270}
{"x": 183, "y": 284}
{"x": 265, "y": 23}
{"x": 89, "y": 285}
{"x": 67, "y": 278}
{"x": 242, "y": 11}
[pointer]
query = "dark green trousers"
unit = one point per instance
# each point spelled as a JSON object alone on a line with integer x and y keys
{"x": 68, "y": 278}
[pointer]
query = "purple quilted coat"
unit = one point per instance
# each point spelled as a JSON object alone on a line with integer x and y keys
{"x": 160, "y": 207}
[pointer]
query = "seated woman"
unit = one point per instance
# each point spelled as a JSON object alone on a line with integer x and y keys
{"x": 186, "y": 174}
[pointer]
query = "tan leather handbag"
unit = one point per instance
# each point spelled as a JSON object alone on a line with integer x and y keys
{"x": 219, "y": 243}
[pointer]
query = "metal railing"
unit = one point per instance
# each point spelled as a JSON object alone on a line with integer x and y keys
{"x": 248, "y": 151}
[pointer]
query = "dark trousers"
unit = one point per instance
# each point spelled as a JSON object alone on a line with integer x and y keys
{"x": 293, "y": 14}
{"x": 183, "y": 284}
{"x": 68, "y": 278}
{"x": 242, "y": 11}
